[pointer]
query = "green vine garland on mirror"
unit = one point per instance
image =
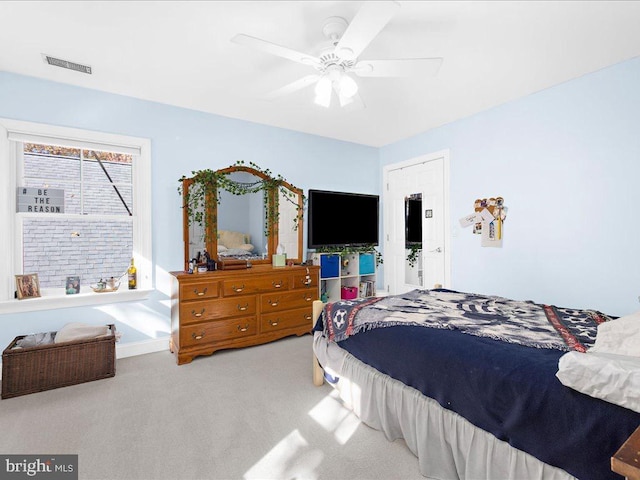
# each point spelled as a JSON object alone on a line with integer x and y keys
{"x": 207, "y": 182}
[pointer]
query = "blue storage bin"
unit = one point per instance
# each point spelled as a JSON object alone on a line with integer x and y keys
{"x": 367, "y": 265}
{"x": 329, "y": 266}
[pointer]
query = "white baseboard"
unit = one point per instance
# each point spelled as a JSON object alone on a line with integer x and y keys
{"x": 141, "y": 348}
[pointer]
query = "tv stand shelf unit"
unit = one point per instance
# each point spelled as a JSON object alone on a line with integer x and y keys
{"x": 353, "y": 270}
{"x": 238, "y": 308}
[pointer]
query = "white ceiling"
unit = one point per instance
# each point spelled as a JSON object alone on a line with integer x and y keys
{"x": 180, "y": 53}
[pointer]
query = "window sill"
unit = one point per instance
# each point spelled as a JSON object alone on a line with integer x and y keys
{"x": 50, "y": 302}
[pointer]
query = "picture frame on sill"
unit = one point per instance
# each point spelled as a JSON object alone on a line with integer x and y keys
{"x": 72, "y": 286}
{"x": 27, "y": 286}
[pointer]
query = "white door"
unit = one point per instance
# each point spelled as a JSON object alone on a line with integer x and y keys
{"x": 425, "y": 179}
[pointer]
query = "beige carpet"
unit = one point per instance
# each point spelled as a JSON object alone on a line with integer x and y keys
{"x": 251, "y": 413}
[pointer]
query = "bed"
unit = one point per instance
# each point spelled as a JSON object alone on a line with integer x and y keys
{"x": 236, "y": 245}
{"x": 471, "y": 383}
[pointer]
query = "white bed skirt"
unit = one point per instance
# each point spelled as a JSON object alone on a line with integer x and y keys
{"x": 448, "y": 446}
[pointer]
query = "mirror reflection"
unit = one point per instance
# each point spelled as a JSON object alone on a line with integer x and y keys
{"x": 413, "y": 239}
{"x": 196, "y": 240}
{"x": 241, "y": 222}
{"x": 289, "y": 225}
{"x": 249, "y": 216}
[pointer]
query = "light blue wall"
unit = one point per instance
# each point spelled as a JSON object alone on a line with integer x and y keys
{"x": 567, "y": 162}
{"x": 181, "y": 141}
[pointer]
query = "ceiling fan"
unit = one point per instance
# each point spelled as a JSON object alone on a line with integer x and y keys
{"x": 338, "y": 58}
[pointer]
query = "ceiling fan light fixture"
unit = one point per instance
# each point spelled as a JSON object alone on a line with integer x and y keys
{"x": 323, "y": 91}
{"x": 322, "y": 101}
{"x": 344, "y": 101}
{"x": 348, "y": 86}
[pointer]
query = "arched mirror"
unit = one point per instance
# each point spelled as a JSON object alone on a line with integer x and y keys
{"x": 241, "y": 213}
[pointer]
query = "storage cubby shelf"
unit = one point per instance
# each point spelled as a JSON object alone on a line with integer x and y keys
{"x": 346, "y": 277}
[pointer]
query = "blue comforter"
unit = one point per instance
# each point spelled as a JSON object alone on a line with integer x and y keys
{"x": 507, "y": 389}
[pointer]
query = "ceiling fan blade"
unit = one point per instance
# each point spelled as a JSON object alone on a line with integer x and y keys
{"x": 276, "y": 50}
{"x": 410, "y": 67}
{"x": 292, "y": 87}
{"x": 368, "y": 22}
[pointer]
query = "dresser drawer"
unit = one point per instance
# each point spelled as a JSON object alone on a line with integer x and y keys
{"x": 218, "y": 331}
{"x": 282, "y": 320}
{"x": 246, "y": 285}
{"x": 277, "y": 301}
{"x": 305, "y": 280}
{"x": 192, "y": 312}
{"x": 199, "y": 290}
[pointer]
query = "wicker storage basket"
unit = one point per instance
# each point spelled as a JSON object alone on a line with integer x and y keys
{"x": 34, "y": 369}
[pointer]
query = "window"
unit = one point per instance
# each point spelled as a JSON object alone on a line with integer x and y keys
{"x": 80, "y": 207}
{"x": 58, "y": 184}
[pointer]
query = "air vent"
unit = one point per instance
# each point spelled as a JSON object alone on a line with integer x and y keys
{"x": 57, "y": 62}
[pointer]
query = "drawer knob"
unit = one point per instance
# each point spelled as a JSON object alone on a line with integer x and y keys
{"x": 307, "y": 280}
{"x": 274, "y": 303}
{"x": 243, "y": 329}
{"x": 196, "y": 314}
{"x": 200, "y": 294}
{"x": 237, "y": 289}
{"x": 197, "y": 337}
{"x": 274, "y": 323}
{"x": 276, "y": 284}
{"x": 243, "y": 308}
{"x": 308, "y": 298}
{"x": 308, "y": 317}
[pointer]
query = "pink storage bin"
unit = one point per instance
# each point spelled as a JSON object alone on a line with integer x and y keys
{"x": 349, "y": 293}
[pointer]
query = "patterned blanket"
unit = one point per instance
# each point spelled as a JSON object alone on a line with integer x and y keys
{"x": 523, "y": 322}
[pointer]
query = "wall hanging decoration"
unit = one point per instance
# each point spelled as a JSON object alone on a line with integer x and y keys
{"x": 487, "y": 220}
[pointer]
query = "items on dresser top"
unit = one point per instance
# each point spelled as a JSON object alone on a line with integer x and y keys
{"x": 233, "y": 264}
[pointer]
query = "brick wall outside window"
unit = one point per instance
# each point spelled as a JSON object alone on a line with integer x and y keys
{"x": 55, "y": 247}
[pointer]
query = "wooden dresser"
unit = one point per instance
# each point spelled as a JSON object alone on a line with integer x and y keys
{"x": 239, "y": 308}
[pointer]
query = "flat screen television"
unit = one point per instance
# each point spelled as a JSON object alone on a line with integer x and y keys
{"x": 338, "y": 219}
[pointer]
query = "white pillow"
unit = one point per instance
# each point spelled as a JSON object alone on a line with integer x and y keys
{"x": 246, "y": 246}
{"x": 232, "y": 239}
{"x": 80, "y": 331}
{"x": 221, "y": 248}
{"x": 620, "y": 336}
{"x": 613, "y": 378}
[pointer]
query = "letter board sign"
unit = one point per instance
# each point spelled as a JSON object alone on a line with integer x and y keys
{"x": 39, "y": 200}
